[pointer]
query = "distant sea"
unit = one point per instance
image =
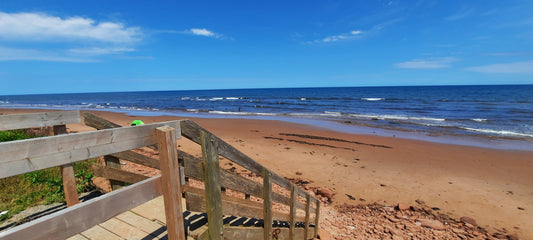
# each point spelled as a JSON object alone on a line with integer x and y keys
{"x": 495, "y": 112}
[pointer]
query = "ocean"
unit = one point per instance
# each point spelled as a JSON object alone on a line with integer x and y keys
{"x": 502, "y": 112}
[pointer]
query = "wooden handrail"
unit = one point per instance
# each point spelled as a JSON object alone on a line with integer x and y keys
{"x": 39, "y": 153}
{"x": 191, "y": 131}
{"x": 33, "y": 120}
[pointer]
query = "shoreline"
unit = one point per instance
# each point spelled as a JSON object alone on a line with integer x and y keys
{"x": 490, "y": 185}
{"x": 470, "y": 140}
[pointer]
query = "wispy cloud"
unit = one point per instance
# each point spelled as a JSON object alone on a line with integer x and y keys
{"x": 100, "y": 51}
{"x": 40, "y": 26}
{"x": 461, "y": 14}
{"x": 430, "y": 63}
{"x": 525, "y": 67}
{"x": 507, "y": 54}
{"x": 197, "y": 32}
{"x": 202, "y": 32}
{"x": 15, "y": 54}
{"x": 339, "y": 37}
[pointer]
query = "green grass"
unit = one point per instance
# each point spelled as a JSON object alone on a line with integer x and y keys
{"x": 13, "y": 135}
{"x": 40, "y": 187}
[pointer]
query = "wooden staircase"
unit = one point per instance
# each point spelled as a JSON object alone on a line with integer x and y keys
{"x": 228, "y": 217}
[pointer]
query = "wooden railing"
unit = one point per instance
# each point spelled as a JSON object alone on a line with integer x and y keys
{"x": 18, "y": 157}
{"x": 212, "y": 201}
{"x": 213, "y": 146}
{"x": 111, "y": 140}
{"x": 57, "y": 120}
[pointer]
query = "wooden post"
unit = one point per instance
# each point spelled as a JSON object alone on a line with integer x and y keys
{"x": 267, "y": 200}
{"x": 307, "y": 213}
{"x": 67, "y": 175}
{"x": 213, "y": 194}
{"x": 171, "y": 182}
{"x": 292, "y": 212}
{"x": 114, "y": 162}
{"x": 317, "y": 217}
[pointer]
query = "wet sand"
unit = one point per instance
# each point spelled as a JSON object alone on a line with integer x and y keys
{"x": 495, "y": 187}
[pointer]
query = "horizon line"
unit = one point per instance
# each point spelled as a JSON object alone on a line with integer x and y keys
{"x": 259, "y": 88}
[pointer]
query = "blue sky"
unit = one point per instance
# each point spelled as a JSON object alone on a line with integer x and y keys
{"x": 102, "y": 46}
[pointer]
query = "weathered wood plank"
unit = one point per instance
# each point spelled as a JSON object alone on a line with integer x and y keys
{"x": 69, "y": 184}
{"x": 267, "y": 202}
{"x": 212, "y": 185}
{"x": 31, "y": 120}
{"x": 83, "y": 216}
{"x": 257, "y": 233}
{"x": 292, "y": 222}
{"x": 112, "y": 162}
{"x": 67, "y": 174}
{"x": 171, "y": 182}
{"x": 29, "y": 155}
{"x": 117, "y": 174}
{"x": 99, "y": 233}
{"x": 307, "y": 214}
{"x": 317, "y": 218}
{"x": 99, "y": 123}
{"x": 151, "y": 227}
{"x": 138, "y": 158}
{"x": 125, "y": 230}
{"x": 77, "y": 237}
{"x": 152, "y": 210}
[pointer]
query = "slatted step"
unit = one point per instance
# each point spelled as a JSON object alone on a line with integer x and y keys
{"x": 195, "y": 220}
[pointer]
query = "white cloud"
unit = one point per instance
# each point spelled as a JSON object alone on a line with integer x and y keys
{"x": 525, "y": 67}
{"x": 343, "y": 36}
{"x": 198, "y": 32}
{"x": 202, "y": 32}
{"x": 40, "y": 26}
{"x": 431, "y": 63}
{"x": 205, "y": 33}
{"x": 52, "y": 38}
{"x": 14, "y": 54}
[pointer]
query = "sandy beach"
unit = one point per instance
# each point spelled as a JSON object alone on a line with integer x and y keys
{"x": 494, "y": 187}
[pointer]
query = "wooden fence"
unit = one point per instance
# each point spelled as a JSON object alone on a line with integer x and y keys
{"x": 117, "y": 142}
{"x": 57, "y": 120}
{"x": 18, "y": 157}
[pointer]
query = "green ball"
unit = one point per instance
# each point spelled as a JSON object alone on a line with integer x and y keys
{"x": 136, "y": 122}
